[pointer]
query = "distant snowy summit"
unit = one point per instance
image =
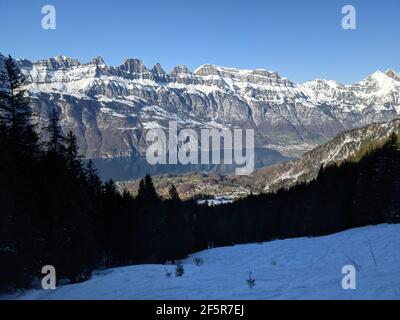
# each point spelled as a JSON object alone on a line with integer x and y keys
{"x": 110, "y": 107}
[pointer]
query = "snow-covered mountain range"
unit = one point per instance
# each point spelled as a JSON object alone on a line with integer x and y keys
{"x": 110, "y": 107}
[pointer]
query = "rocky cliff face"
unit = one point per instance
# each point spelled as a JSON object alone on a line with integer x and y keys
{"x": 109, "y": 108}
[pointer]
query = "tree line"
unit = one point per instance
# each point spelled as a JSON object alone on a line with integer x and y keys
{"x": 55, "y": 210}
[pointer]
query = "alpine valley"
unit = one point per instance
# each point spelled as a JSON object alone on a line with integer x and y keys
{"x": 109, "y": 108}
{"x": 350, "y": 145}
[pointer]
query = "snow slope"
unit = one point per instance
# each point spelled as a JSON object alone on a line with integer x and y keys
{"x": 305, "y": 268}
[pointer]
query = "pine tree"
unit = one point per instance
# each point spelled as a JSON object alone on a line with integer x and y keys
{"x": 392, "y": 180}
{"x": 15, "y": 111}
{"x": 92, "y": 178}
{"x": 18, "y": 171}
{"x": 74, "y": 159}
{"x": 173, "y": 194}
{"x": 110, "y": 188}
{"x": 149, "y": 188}
{"x": 175, "y": 225}
{"x": 56, "y": 142}
{"x": 147, "y": 191}
{"x": 141, "y": 189}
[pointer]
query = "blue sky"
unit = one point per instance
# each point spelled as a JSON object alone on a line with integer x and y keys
{"x": 301, "y": 40}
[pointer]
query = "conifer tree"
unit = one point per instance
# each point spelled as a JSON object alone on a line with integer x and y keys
{"x": 74, "y": 159}
{"x": 141, "y": 189}
{"x": 16, "y": 112}
{"x": 173, "y": 194}
{"x": 147, "y": 191}
{"x": 18, "y": 168}
{"x": 56, "y": 142}
{"x": 92, "y": 178}
{"x": 175, "y": 223}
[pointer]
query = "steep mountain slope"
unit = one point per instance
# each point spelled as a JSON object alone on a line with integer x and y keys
{"x": 110, "y": 108}
{"x": 303, "y": 268}
{"x": 348, "y": 145}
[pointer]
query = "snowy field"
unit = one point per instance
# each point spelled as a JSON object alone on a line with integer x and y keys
{"x": 305, "y": 268}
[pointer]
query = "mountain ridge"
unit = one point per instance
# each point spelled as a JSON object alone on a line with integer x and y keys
{"x": 110, "y": 108}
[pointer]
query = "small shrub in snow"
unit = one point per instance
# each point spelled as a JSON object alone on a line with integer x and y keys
{"x": 179, "y": 271}
{"x": 168, "y": 274}
{"x": 198, "y": 261}
{"x": 251, "y": 282}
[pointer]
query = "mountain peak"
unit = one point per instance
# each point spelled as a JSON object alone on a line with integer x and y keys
{"x": 381, "y": 77}
{"x": 133, "y": 66}
{"x": 207, "y": 69}
{"x": 98, "y": 60}
{"x": 180, "y": 69}
{"x": 254, "y": 76}
{"x": 392, "y": 74}
{"x": 322, "y": 83}
{"x": 60, "y": 62}
{"x": 158, "y": 70}
{"x": 378, "y": 73}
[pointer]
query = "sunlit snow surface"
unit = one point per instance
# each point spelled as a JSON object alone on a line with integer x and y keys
{"x": 305, "y": 268}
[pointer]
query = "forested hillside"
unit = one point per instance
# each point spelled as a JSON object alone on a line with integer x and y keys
{"x": 54, "y": 210}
